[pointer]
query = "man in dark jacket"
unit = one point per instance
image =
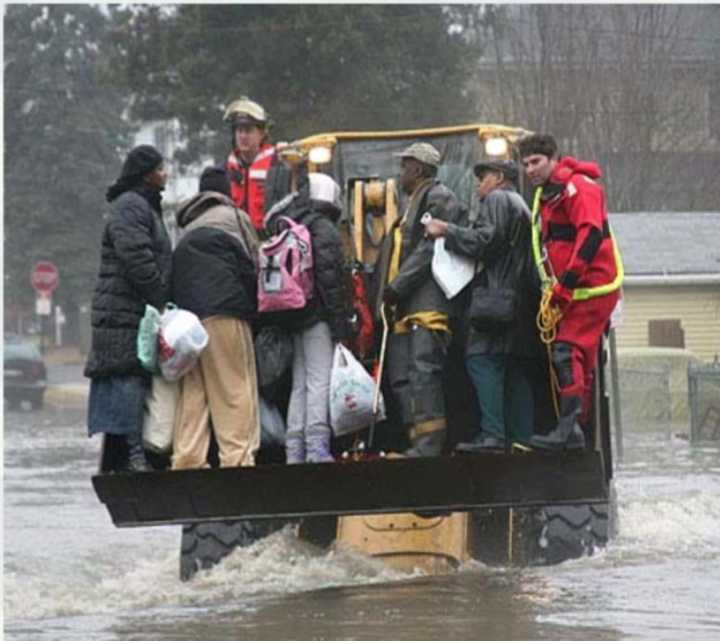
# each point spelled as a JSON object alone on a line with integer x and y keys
{"x": 418, "y": 345}
{"x": 215, "y": 277}
{"x": 135, "y": 265}
{"x": 324, "y": 320}
{"x": 495, "y": 354}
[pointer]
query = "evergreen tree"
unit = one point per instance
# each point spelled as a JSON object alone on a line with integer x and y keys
{"x": 314, "y": 67}
{"x": 63, "y": 138}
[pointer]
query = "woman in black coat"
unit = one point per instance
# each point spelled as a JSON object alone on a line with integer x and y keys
{"x": 135, "y": 265}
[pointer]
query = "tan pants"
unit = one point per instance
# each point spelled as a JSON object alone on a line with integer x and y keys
{"x": 222, "y": 385}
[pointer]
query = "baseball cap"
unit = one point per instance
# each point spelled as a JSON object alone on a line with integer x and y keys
{"x": 422, "y": 152}
{"x": 507, "y": 167}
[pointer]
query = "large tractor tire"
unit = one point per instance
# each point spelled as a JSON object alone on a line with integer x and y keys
{"x": 567, "y": 532}
{"x": 543, "y": 535}
{"x": 204, "y": 545}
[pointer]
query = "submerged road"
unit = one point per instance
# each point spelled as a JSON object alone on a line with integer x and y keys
{"x": 69, "y": 574}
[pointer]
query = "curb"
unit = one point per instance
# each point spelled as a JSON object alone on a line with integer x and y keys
{"x": 67, "y": 395}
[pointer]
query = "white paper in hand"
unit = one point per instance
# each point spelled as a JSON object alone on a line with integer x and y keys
{"x": 450, "y": 270}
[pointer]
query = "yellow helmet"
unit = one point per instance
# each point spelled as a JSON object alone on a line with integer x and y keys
{"x": 244, "y": 110}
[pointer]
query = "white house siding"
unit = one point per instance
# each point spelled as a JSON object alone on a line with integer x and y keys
{"x": 697, "y": 307}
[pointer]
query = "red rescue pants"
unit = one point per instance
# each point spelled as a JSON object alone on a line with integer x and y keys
{"x": 576, "y": 346}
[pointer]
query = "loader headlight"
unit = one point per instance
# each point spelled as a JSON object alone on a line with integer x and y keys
{"x": 289, "y": 153}
{"x": 320, "y": 155}
{"x": 496, "y": 146}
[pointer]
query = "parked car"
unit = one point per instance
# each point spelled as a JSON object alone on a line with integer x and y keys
{"x": 24, "y": 372}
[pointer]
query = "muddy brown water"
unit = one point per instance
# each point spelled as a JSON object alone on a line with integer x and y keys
{"x": 70, "y": 574}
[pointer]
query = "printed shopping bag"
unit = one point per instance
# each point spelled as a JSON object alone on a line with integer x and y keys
{"x": 352, "y": 391}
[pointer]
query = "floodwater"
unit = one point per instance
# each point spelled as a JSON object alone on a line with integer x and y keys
{"x": 70, "y": 574}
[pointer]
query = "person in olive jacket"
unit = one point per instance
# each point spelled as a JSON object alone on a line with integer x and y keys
{"x": 324, "y": 321}
{"x": 135, "y": 266}
{"x": 215, "y": 277}
{"x": 417, "y": 347}
{"x": 499, "y": 358}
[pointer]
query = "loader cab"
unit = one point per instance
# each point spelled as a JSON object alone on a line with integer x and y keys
{"x": 364, "y": 165}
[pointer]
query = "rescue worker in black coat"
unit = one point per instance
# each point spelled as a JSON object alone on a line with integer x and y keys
{"x": 135, "y": 269}
{"x": 418, "y": 344}
{"x": 498, "y": 356}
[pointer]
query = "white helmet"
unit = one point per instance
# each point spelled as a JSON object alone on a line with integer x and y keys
{"x": 244, "y": 110}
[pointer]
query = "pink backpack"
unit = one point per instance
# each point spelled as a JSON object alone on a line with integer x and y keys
{"x": 285, "y": 269}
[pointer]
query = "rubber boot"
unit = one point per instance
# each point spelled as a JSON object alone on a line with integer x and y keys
{"x": 136, "y": 454}
{"x": 568, "y": 434}
{"x": 317, "y": 447}
{"x": 427, "y": 445}
{"x": 294, "y": 449}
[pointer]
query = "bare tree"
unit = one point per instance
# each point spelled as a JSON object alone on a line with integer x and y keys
{"x": 629, "y": 86}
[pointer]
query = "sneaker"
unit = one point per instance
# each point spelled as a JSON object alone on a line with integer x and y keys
{"x": 484, "y": 444}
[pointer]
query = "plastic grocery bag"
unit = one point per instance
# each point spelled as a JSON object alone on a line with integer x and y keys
{"x": 452, "y": 272}
{"x": 147, "y": 339}
{"x": 160, "y": 415}
{"x": 181, "y": 340}
{"x": 272, "y": 425}
{"x": 352, "y": 391}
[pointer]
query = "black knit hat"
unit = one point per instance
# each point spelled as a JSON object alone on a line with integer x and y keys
{"x": 215, "y": 179}
{"x": 139, "y": 162}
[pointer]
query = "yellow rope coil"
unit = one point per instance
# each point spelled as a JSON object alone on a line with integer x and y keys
{"x": 547, "y": 319}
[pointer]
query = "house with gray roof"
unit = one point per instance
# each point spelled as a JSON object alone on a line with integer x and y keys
{"x": 672, "y": 279}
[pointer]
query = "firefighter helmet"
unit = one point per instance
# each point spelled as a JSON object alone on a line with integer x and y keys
{"x": 245, "y": 111}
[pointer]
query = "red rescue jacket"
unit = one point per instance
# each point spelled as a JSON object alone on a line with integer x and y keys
{"x": 575, "y": 229}
{"x": 247, "y": 183}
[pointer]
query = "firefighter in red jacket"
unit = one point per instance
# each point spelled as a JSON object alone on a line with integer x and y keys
{"x": 580, "y": 265}
{"x": 251, "y": 157}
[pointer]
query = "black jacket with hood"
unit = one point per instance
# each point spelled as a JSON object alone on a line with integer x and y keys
{"x": 331, "y": 301}
{"x": 214, "y": 263}
{"x": 135, "y": 266}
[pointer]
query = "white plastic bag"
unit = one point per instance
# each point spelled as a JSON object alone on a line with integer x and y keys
{"x": 181, "y": 339}
{"x": 451, "y": 271}
{"x": 352, "y": 391}
{"x": 160, "y": 415}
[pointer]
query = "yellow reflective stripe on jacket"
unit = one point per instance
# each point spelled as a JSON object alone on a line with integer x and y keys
{"x": 396, "y": 254}
{"x": 581, "y": 293}
{"x": 433, "y": 321}
{"x": 536, "y": 240}
{"x": 396, "y": 251}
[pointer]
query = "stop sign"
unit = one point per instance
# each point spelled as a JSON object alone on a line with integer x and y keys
{"x": 44, "y": 277}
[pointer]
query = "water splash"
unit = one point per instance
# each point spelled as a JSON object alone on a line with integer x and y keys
{"x": 279, "y": 564}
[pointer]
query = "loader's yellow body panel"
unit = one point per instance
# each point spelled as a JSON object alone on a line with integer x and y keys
{"x": 407, "y": 541}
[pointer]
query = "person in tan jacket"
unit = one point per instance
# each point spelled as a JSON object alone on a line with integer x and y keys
{"x": 215, "y": 277}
